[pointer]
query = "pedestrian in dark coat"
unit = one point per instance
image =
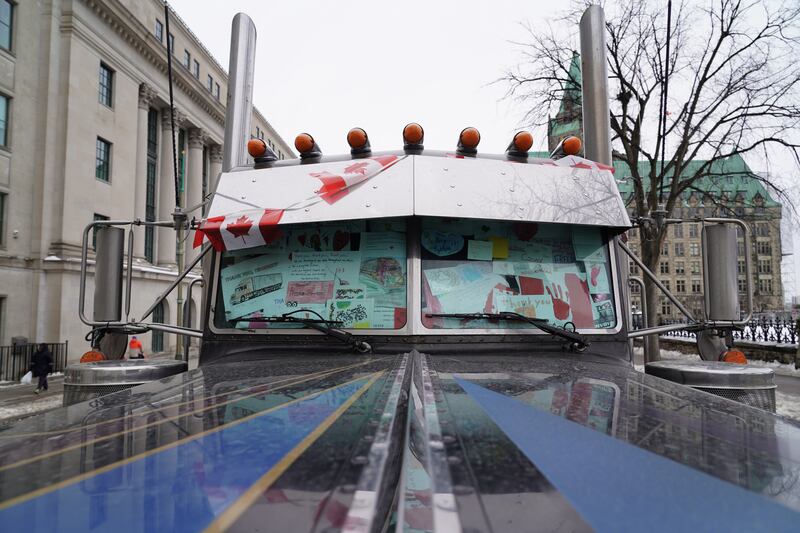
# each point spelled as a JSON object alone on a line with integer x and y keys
{"x": 41, "y": 365}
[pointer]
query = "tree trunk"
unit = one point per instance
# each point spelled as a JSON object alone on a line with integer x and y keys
{"x": 651, "y": 251}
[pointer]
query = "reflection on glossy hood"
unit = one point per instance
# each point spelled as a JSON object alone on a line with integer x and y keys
{"x": 472, "y": 442}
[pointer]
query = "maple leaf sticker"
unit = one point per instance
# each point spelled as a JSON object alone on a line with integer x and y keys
{"x": 357, "y": 168}
{"x": 240, "y": 227}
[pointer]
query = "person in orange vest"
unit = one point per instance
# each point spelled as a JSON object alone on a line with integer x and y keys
{"x": 135, "y": 350}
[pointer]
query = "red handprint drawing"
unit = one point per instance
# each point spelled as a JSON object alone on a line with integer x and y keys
{"x": 560, "y": 306}
{"x": 595, "y": 273}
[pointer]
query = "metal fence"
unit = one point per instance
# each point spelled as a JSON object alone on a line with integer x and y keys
{"x": 758, "y": 330}
{"x": 15, "y": 361}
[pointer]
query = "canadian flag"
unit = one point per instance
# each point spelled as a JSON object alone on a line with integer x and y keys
{"x": 335, "y": 185}
{"x": 245, "y": 229}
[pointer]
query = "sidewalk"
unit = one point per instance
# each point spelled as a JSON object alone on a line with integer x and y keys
{"x": 17, "y": 401}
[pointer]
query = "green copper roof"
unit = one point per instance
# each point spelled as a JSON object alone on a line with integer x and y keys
{"x": 730, "y": 175}
{"x": 568, "y": 119}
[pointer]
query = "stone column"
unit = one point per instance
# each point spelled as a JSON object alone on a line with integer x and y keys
{"x": 214, "y": 168}
{"x": 166, "y": 190}
{"x": 146, "y": 97}
{"x": 194, "y": 181}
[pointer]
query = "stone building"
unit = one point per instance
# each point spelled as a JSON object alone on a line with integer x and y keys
{"x": 732, "y": 189}
{"x": 85, "y": 134}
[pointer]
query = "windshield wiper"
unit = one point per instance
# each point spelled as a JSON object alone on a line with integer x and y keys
{"x": 579, "y": 342}
{"x": 319, "y": 324}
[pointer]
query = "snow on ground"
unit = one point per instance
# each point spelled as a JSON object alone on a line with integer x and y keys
{"x": 22, "y": 409}
{"x": 787, "y": 405}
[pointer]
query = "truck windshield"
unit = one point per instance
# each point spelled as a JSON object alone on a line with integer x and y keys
{"x": 556, "y": 272}
{"x": 350, "y": 272}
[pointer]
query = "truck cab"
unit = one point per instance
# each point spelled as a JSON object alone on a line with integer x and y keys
{"x": 425, "y": 250}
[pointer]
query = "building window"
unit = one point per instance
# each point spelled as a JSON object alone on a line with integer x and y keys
{"x": 216, "y": 91}
{"x": 171, "y": 43}
{"x": 187, "y": 59}
{"x": 680, "y": 285}
{"x": 106, "y": 84}
{"x": 764, "y": 248}
{"x": 697, "y": 286}
{"x": 635, "y": 288}
{"x": 210, "y": 83}
{"x": 762, "y": 229}
{"x": 196, "y": 69}
{"x": 740, "y": 249}
{"x": 666, "y": 308}
{"x": 4, "y": 101}
{"x": 633, "y": 268}
{"x": 94, "y": 230}
{"x": 158, "y": 336}
{"x": 740, "y": 267}
{"x": 6, "y": 23}
{"x": 664, "y": 266}
{"x": 150, "y": 192}
{"x": 764, "y": 266}
{"x": 742, "y": 283}
{"x": 665, "y": 249}
{"x": 3, "y": 197}
{"x": 679, "y": 267}
{"x": 665, "y": 283}
{"x": 677, "y": 230}
{"x": 159, "y": 31}
{"x": 692, "y": 230}
{"x": 695, "y": 267}
{"x": 679, "y": 249}
{"x": 694, "y": 249}
{"x": 102, "y": 160}
{"x": 765, "y": 286}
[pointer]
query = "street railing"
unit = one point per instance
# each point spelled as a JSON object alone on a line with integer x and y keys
{"x": 757, "y": 330}
{"x": 15, "y": 360}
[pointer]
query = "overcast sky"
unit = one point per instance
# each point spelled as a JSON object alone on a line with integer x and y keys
{"x": 324, "y": 67}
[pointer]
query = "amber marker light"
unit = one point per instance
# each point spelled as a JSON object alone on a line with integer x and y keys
{"x": 304, "y": 143}
{"x": 413, "y": 135}
{"x": 92, "y": 356}
{"x": 523, "y": 141}
{"x": 359, "y": 141}
{"x": 357, "y": 138}
{"x": 469, "y": 138}
{"x": 572, "y": 146}
{"x": 735, "y": 357}
{"x": 307, "y": 146}
{"x": 256, "y": 148}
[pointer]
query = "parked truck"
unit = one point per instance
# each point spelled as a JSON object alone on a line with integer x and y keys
{"x": 408, "y": 340}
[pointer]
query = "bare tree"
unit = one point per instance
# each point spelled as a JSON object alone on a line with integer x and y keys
{"x": 733, "y": 74}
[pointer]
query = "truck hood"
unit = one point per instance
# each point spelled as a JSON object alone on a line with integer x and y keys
{"x": 439, "y": 443}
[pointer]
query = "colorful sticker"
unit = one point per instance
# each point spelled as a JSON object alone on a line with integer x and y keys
{"x": 598, "y": 278}
{"x": 351, "y": 313}
{"x": 442, "y": 244}
{"x": 479, "y": 250}
{"x": 308, "y": 292}
{"x": 499, "y": 247}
